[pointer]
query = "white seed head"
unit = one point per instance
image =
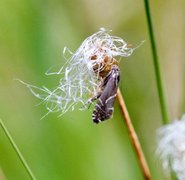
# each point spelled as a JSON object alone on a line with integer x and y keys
{"x": 171, "y": 147}
{"x": 79, "y": 80}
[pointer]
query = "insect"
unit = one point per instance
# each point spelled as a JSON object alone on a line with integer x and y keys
{"x": 105, "y": 99}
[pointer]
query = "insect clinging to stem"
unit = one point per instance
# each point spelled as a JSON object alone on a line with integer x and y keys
{"x": 104, "y": 107}
{"x": 91, "y": 70}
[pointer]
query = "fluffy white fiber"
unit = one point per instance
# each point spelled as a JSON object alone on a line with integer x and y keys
{"x": 78, "y": 79}
{"x": 171, "y": 147}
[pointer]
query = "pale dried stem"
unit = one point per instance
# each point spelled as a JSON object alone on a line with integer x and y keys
{"x": 133, "y": 137}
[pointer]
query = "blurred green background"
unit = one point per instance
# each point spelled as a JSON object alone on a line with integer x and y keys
{"x": 32, "y": 36}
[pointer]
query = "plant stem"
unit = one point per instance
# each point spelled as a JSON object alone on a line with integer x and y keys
{"x": 23, "y": 161}
{"x": 133, "y": 137}
{"x": 163, "y": 104}
{"x": 160, "y": 88}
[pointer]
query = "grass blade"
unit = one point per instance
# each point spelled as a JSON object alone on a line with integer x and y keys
{"x": 163, "y": 105}
{"x": 23, "y": 161}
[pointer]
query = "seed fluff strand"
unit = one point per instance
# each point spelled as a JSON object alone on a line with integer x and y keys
{"x": 80, "y": 79}
{"x": 171, "y": 147}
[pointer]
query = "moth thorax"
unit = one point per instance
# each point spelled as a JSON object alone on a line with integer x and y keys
{"x": 103, "y": 67}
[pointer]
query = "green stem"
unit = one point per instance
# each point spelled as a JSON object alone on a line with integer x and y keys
{"x": 163, "y": 104}
{"x": 160, "y": 88}
{"x": 23, "y": 161}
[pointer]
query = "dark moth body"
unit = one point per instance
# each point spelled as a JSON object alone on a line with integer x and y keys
{"x": 105, "y": 103}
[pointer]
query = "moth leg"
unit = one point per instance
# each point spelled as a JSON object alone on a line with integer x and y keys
{"x": 90, "y": 101}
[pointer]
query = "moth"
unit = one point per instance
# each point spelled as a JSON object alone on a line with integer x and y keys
{"x": 104, "y": 107}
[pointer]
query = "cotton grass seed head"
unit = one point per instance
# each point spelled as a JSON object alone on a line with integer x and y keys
{"x": 171, "y": 147}
{"x": 83, "y": 72}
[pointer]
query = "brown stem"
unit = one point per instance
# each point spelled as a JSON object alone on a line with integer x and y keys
{"x": 133, "y": 137}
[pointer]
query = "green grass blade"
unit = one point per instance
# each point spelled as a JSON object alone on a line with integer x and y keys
{"x": 23, "y": 161}
{"x": 163, "y": 104}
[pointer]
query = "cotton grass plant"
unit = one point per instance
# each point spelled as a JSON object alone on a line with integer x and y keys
{"x": 81, "y": 77}
{"x": 171, "y": 147}
{"x": 81, "y": 73}
{"x": 171, "y": 136}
